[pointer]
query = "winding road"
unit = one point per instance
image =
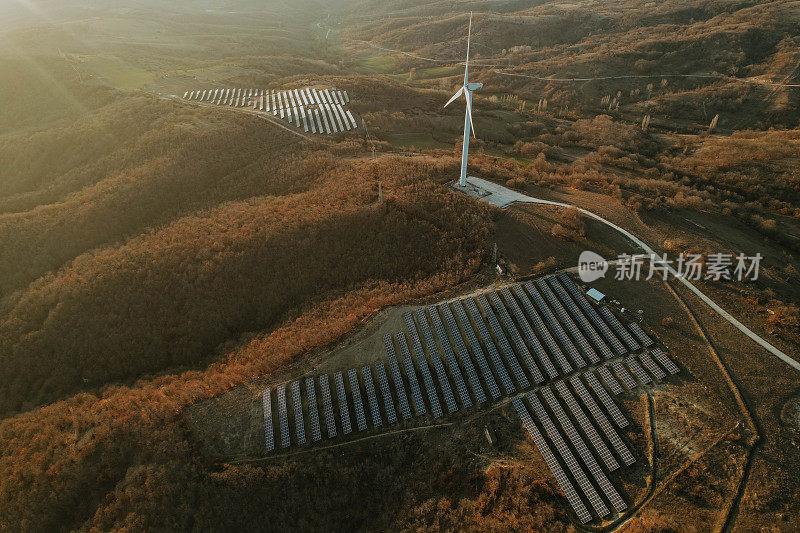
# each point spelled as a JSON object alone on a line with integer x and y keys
{"x": 503, "y": 197}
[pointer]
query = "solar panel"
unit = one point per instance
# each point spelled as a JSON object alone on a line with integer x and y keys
{"x": 616, "y": 415}
{"x": 587, "y": 427}
{"x": 372, "y": 398}
{"x": 665, "y": 361}
{"x": 352, "y": 119}
{"x": 436, "y": 359}
{"x": 313, "y": 415}
{"x": 583, "y": 452}
{"x": 569, "y": 459}
{"x": 619, "y": 329}
{"x": 643, "y": 337}
{"x": 346, "y": 98}
{"x": 541, "y": 304}
{"x": 502, "y": 342}
{"x": 650, "y": 365}
{"x": 591, "y": 313}
{"x": 283, "y": 416}
{"x": 341, "y": 397}
{"x": 452, "y": 325}
{"x": 516, "y": 338}
{"x": 577, "y": 315}
{"x": 624, "y": 375}
{"x": 297, "y": 408}
{"x": 383, "y": 383}
{"x": 416, "y": 393}
{"x": 494, "y": 355}
{"x": 449, "y": 356}
{"x": 268, "y": 435}
{"x": 397, "y": 378}
{"x": 310, "y": 119}
{"x": 561, "y": 478}
{"x": 541, "y": 329}
{"x": 612, "y": 383}
{"x": 601, "y": 420}
{"x": 422, "y": 363}
{"x": 327, "y": 405}
{"x": 637, "y": 369}
{"x": 529, "y": 335}
{"x": 358, "y": 405}
{"x": 466, "y": 360}
{"x": 331, "y": 118}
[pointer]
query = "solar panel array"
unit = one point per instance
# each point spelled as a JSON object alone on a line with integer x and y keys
{"x": 587, "y": 427}
{"x": 315, "y": 111}
{"x": 665, "y": 361}
{"x": 268, "y": 435}
{"x": 383, "y": 383}
{"x": 397, "y": 377}
{"x": 283, "y": 416}
{"x": 610, "y": 380}
{"x": 619, "y": 329}
{"x": 488, "y": 378}
{"x": 584, "y": 303}
{"x": 543, "y": 321}
{"x": 438, "y": 367}
{"x": 529, "y": 335}
{"x": 313, "y": 415}
{"x": 372, "y": 398}
{"x": 416, "y": 393}
{"x": 605, "y": 399}
{"x": 578, "y": 316}
{"x": 358, "y": 404}
{"x": 341, "y": 397}
{"x": 601, "y": 420}
{"x": 561, "y": 477}
{"x": 502, "y": 341}
{"x": 637, "y": 369}
{"x": 494, "y": 355}
{"x": 516, "y": 338}
{"x": 624, "y": 375}
{"x": 651, "y": 366}
{"x": 327, "y": 405}
{"x": 422, "y": 363}
{"x": 297, "y": 409}
{"x": 574, "y": 331}
{"x": 541, "y": 329}
{"x": 643, "y": 337}
{"x": 583, "y": 452}
{"x": 542, "y": 306}
{"x": 450, "y": 357}
{"x": 569, "y": 459}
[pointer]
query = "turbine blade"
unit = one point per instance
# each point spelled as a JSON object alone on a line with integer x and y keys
{"x": 458, "y": 93}
{"x": 469, "y": 110}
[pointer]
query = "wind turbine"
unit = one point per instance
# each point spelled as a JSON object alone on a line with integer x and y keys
{"x": 466, "y": 90}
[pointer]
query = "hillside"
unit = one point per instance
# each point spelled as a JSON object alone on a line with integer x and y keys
{"x": 163, "y": 261}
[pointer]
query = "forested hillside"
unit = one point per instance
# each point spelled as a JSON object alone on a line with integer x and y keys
{"x": 155, "y": 253}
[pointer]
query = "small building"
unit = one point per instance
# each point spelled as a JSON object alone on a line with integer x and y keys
{"x": 595, "y": 295}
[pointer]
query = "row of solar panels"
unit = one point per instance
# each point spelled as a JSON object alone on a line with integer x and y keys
{"x": 315, "y": 111}
{"x": 269, "y": 99}
{"x": 566, "y": 455}
{"x": 451, "y": 359}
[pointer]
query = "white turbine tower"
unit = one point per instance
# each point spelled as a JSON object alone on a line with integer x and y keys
{"x": 467, "y": 90}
